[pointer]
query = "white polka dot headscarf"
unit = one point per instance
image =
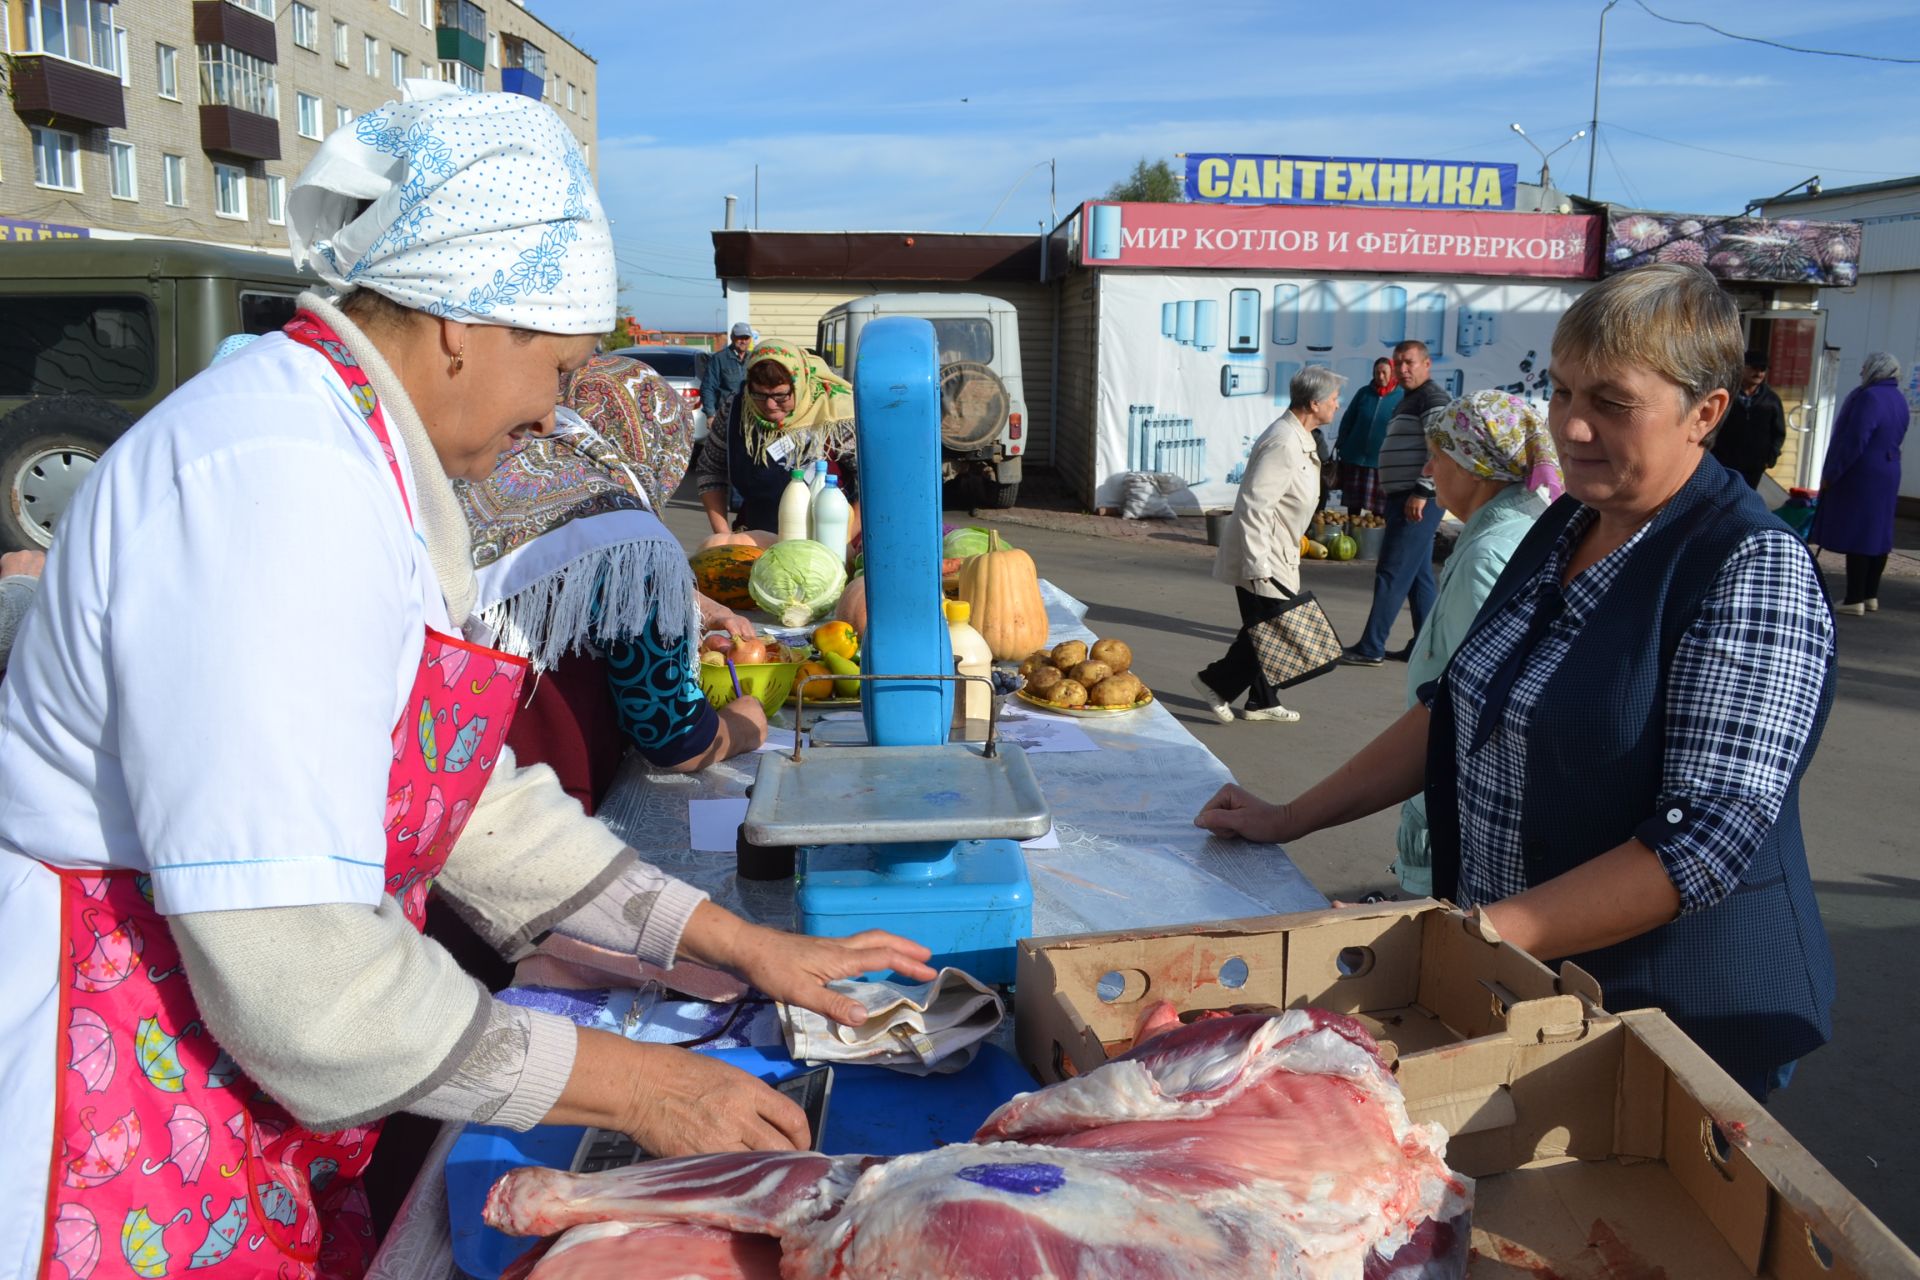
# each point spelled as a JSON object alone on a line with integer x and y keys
{"x": 481, "y": 210}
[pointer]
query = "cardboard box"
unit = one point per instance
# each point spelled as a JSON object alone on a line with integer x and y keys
{"x": 1605, "y": 1147}
{"x": 1417, "y": 975}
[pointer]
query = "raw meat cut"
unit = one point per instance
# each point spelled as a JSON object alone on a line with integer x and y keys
{"x": 1235, "y": 1147}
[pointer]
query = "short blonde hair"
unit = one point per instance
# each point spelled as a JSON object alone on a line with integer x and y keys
{"x": 1675, "y": 320}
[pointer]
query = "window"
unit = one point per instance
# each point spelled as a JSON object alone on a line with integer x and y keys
{"x": 77, "y": 30}
{"x": 306, "y": 26}
{"x": 276, "y": 200}
{"x": 173, "y": 177}
{"x": 426, "y": 14}
{"x": 229, "y": 191}
{"x": 342, "y": 116}
{"x": 569, "y": 95}
{"x": 123, "y": 171}
{"x": 463, "y": 75}
{"x": 493, "y": 48}
{"x": 398, "y": 6}
{"x": 262, "y": 7}
{"x": 429, "y": 72}
{"x": 399, "y": 61}
{"x": 263, "y": 313}
{"x": 166, "y": 67}
{"x": 56, "y": 159}
{"x": 964, "y": 340}
{"x": 76, "y": 344}
{"x": 307, "y": 112}
{"x": 340, "y": 43}
{"x": 371, "y": 47}
{"x": 120, "y": 58}
{"x": 586, "y": 152}
{"x": 230, "y": 78}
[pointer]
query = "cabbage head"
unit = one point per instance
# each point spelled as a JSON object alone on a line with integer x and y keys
{"x": 797, "y": 581}
{"x": 964, "y": 544}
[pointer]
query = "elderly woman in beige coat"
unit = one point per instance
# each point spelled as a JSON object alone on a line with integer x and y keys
{"x": 1260, "y": 553}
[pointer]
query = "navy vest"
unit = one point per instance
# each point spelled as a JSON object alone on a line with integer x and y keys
{"x": 1750, "y": 979}
{"x": 759, "y": 484}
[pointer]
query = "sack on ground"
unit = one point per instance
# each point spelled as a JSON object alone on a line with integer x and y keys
{"x": 1143, "y": 494}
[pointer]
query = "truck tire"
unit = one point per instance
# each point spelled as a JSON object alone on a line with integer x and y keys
{"x": 47, "y": 447}
{"x": 998, "y": 497}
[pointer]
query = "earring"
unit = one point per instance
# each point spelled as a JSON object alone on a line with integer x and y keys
{"x": 458, "y": 362}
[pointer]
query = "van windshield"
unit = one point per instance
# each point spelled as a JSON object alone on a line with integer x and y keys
{"x": 964, "y": 339}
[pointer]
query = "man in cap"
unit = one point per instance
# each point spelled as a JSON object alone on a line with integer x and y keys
{"x": 726, "y": 371}
{"x": 1754, "y": 429}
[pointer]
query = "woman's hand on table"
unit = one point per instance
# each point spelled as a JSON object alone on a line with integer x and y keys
{"x": 715, "y": 616}
{"x": 795, "y": 969}
{"x": 1236, "y": 811}
{"x": 675, "y": 1102}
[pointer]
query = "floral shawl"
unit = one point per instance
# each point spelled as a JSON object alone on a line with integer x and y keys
{"x": 1498, "y": 436}
{"x": 821, "y": 424}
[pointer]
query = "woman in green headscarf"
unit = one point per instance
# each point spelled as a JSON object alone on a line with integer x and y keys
{"x": 791, "y": 411}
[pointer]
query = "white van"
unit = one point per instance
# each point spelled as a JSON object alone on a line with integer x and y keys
{"x": 983, "y": 399}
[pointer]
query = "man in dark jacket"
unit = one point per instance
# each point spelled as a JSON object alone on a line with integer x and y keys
{"x": 726, "y": 371}
{"x": 1754, "y": 429}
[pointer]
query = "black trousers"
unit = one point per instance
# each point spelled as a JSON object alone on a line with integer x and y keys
{"x": 1863, "y": 577}
{"x": 1237, "y": 671}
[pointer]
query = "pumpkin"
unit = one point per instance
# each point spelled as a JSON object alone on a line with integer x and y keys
{"x": 721, "y": 573}
{"x": 852, "y": 608}
{"x": 739, "y": 538}
{"x": 1342, "y": 547}
{"x": 1003, "y": 590}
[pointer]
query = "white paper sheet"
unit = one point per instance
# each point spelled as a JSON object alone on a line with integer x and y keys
{"x": 715, "y": 824}
{"x": 778, "y": 739}
{"x": 1051, "y": 840}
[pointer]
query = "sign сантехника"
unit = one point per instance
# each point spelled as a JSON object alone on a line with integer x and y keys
{"x": 1226, "y": 178}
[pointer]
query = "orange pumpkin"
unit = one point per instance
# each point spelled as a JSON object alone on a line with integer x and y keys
{"x": 1003, "y": 590}
{"x": 742, "y": 538}
{"x": 721, "y": 573}
{"x": 852, "y": 608}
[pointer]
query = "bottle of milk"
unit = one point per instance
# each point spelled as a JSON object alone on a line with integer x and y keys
{"x": 831, "y": 516}
{"x": 795, "y": 499}
{"x": 816, "y": 481}
{"x": 971, "y": 657}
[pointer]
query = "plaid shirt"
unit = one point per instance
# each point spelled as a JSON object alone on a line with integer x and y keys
{"x": 1741, "y": 697}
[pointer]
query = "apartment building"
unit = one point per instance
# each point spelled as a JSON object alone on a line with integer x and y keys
{"x": 192, "y": 118}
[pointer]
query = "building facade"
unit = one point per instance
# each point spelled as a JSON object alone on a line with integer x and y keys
{"x": 191, "y": 119}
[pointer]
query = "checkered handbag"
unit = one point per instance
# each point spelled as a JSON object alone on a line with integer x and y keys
{"x": 1296, "y": 644}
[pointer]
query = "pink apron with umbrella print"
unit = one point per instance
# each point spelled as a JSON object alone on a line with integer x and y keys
{"x": 166, "y": 1158}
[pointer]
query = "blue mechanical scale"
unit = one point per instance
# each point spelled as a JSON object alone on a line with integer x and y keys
{"x": 911, "y": 833}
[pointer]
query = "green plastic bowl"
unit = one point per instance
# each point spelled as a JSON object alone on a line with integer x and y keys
{"x": 771, "y": 682}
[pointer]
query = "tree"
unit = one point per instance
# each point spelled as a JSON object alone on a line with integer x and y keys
{"x": 1149, "y": 181}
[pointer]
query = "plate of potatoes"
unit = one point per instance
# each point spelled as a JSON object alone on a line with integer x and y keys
{"x": 1075, "y": 678}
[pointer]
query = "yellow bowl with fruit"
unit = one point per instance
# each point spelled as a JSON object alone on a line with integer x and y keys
{"x": 769, "y": 681}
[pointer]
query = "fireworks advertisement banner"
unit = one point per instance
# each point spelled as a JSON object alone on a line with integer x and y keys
{"x": 1757, "y": 250}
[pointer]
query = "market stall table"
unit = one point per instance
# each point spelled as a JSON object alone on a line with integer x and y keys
{"x": 1127, "y": 856}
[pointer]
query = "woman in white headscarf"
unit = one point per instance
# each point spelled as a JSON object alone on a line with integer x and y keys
{"x": 242, "y": 732}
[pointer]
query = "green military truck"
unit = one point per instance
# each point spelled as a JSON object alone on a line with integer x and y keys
{"x": 93, "y": 333}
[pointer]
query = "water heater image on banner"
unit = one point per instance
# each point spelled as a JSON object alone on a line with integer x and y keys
{"x": 1206, "y": 324}
{"x": 1453, "y": 381}
{"x": 1426, "y": 322}
{"x": 1358, "y": 372}
{"x": 1243, "y": 321}
{"x": 1169, "y": 322}
{"x": 1286, "y": 314}
{"x": 1390, "y": 305}
{"x": 1103, "y": 244}
{"x": 1357, "y": 301}
{"x": 1243, "y": 379}
{"x": 1183, "y": 323}
{"x": 1317, "y": 319}
{"x": 1283, "y": 371}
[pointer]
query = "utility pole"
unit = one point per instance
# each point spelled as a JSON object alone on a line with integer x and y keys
{"x": 1546, "y": 174}
{"x": 1593, "y": 125}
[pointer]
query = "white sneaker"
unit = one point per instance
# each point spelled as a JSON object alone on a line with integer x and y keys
{"x": 1873, "y": 605}
{"x": 1858, "y": 610}
{"x": 1280, "y": 714}
{"x": 1215, "y": 704}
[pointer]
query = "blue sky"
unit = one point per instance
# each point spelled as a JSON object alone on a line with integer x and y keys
{"x": 855, "y": 112}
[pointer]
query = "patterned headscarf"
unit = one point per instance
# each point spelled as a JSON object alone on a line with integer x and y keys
{"x": 1498, "y": 436}
{"x": 821, "y": 421}
{"x": 566, "y": 546}
{"x": 473, "y": 206}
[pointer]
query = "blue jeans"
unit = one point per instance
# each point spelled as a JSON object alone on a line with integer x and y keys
{"x": 1405, "y": 573}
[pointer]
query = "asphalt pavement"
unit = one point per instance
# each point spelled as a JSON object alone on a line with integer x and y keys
{"x": 1852, "y": 1102}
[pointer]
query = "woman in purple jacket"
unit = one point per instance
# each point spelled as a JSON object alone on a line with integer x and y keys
{"x": 1861, "y": 483}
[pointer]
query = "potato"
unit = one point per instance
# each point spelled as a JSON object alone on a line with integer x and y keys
{"x": 1091, "y": 673}
{"x": 1034, "y": 661}
{"x": 1069, "y": 693}
{"x": 1115, "y": 653}
{"x": 1043, "y": 678}
{"x": 1069, "y": 654}
{"x": 1116, "y": 691}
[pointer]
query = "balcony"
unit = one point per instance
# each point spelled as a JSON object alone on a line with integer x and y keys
{"x": 522, "y": 81}
{"x": 235, "y": 132}
{"x": 462, "y": 33}
{"x": 53, "y": 91}
{"x": 523, "y": 67}
{"x": 217, "y": 22}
